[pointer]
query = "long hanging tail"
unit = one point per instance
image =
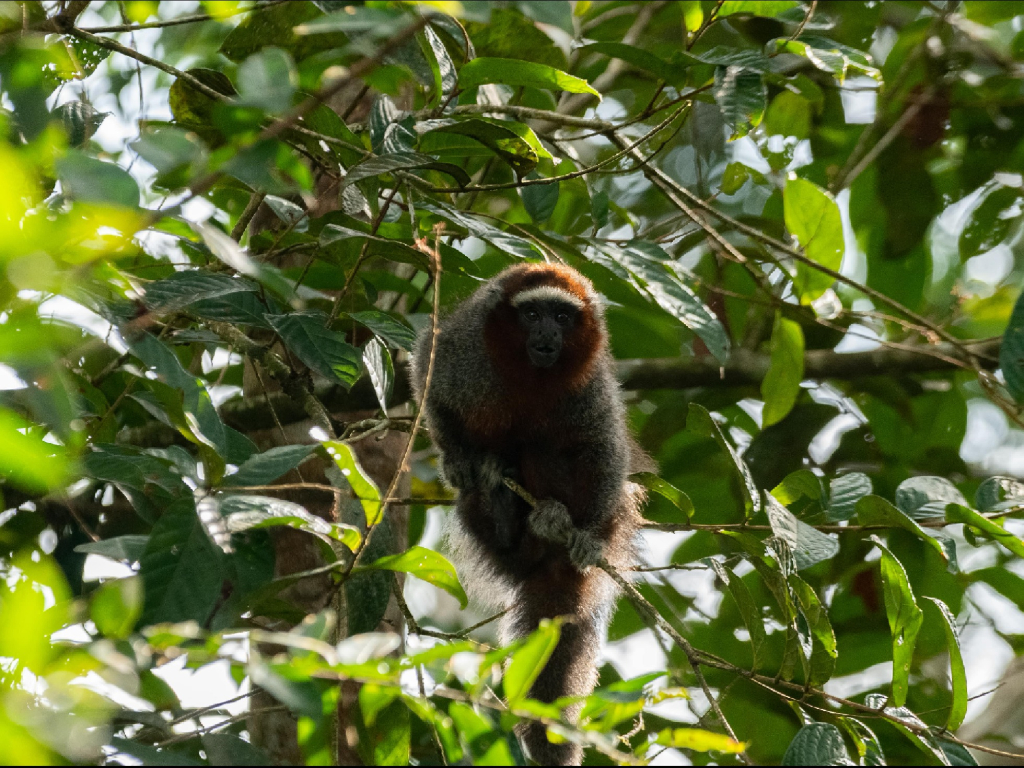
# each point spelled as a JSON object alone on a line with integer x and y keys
{"x": 572, "y": 668}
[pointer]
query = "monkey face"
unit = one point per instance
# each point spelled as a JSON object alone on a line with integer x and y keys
{"x": 546, "y": 324}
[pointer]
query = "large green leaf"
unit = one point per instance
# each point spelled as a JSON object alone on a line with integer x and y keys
{"x": 638, "y": 57}
{"x": 496, "y": 135}
{"x": 266, "y": 467}
{"x": 808, "y": 545}
{"x": 243, "y": 512}
{"x": 94, "y": 181}
{"x": 957, "y": 513}
{"x": 387, "y": 327}
{"x": 699, "y": 420}
{"x": 188, "y": 286}
{"x": 958, "y": 674}
{"x": 513, "y": 244}
{"x": 905, "y": 619}
{"x": 817, "y": 744}
{"x": 812, "y": 217}
{"x": 363, "y": 486}
{"x": 741, "y": 96}
{"x": 323, "y": 350}
{"x": 874, "y": 510}
{"x": 750, "y": 612}
{"x": 996, "y": 494}
{"x": 425, "y": 564}
{"x": 527, "y": 662}
{"x": 822, "y": 662}
{"x": 182, "y": 570}
{"x": 516, "y": 72}
{"x": 781, "y": 384}
{"x": 403, "y": 161}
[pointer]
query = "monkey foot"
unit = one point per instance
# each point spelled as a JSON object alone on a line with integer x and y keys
{"x": 585, "y": 549}
{"x": 550, "y": 520}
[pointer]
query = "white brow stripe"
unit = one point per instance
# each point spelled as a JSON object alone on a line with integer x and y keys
{"x": 546, "y": 293}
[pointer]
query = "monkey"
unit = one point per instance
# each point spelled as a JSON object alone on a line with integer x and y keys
{"x": 523, "y": 387}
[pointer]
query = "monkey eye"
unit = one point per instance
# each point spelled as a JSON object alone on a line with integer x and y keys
{"x": 562, "y": 318}
{"x": 532, "y": 315}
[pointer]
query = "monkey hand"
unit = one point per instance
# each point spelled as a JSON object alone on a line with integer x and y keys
{"x": 550, "y": 521}
{"x": 585, "y": 549}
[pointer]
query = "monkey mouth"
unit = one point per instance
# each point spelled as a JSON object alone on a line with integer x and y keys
{"x": 543, "y": 356}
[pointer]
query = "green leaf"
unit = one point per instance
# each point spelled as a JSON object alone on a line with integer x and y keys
{"x": 94, "y": 181}
{"x": 650, "y": 270}
{"x": 267, "y": 80}
{"x": 496, "y": 135}
{"x": 827, "y": 55}
{"x": 116, "y": 606}
{"x": 80, "y": 121}
{"x": 539, "y": 199}
{"x": 385, "y": 248}
{"x": 789, "y": 115}
{"x": 387, "y": 740}
{"x": 182, "y": 570}
{"x": 266, "y": 467}
{"x": 845, "y": 492}
{"x": 1011, "y": 353}
{"x": 517, "y": 246}
{"x": 403, "y": 161}
{"x": 128, "y": 548}
{"x": 808, "y": 545}
{"x": 389, "y": 328}
{"x": 191, "y": 285}
{"x": 515, "y": 72}
{"x": 1005, "y": 582}
{"x": 425, "y": 564}
{"x": 639, "y": 58}
{"x": 817, "y": 744}
{"x": 324, "y": 351}
{"x": 378, "y": 364}
{"x": 822, "y": 662}
{"x": 666, "y": 490}
{"x": 528, "y": 660}
{"x": 868, "y": 747}
{"x": 874, "y": 510}
{"x": 905, "y": 620}
{"x": 958, "y": 673}
{"x": 362, "y": 485}
{"x": 192, "y": 108}
{"x": 291, "y": 214}
{"x": 239, "y": 308}
{"x": 924, "y": 497}
{"x": 699, "y": 420}
{"x": 991, "y": 222}
{"x": 698, "y": 740}
{"x": 781, "y": 384}
{"x": 797, "y": 485}
{"x": 203, "y": 421}
{"x": 996, "y": 494}
{"x": 26, "y": 460}
{"x": 243, "y": 512}
{"x": 445, "y": 75}
{"x": 812, "y": 217}
{"x": 749, "y": 610}
{"x": 740, "y": 94}
{"x": 956, "y": 513}
{"x": 228, "y": 749}
{"x": 735, "y": 176}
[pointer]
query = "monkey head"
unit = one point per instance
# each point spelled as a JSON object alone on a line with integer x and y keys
{"x": 546, "y": 327}
{"x": 547, "y": 315}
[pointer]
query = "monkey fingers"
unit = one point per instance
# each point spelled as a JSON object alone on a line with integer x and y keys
{"x": 585, "y": 549}
{"x": 459, "y": 474}
{"x": 550, "y": 520}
